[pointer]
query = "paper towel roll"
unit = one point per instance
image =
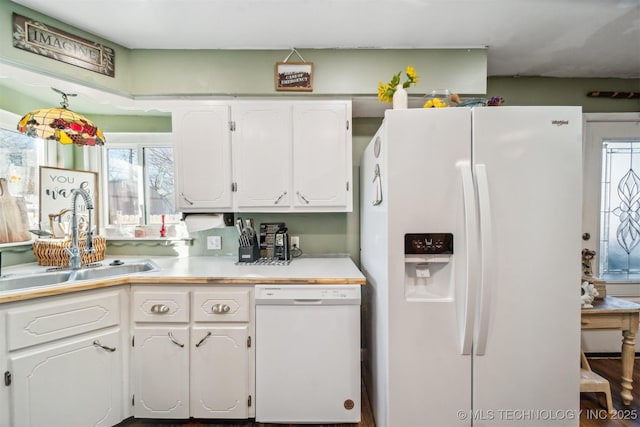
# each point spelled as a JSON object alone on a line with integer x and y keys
{"x": 199, "y": 222}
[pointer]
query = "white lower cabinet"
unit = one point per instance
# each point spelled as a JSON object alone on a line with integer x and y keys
{"x": 76, "y": 383}
{"x": 192, "y": 352}
{"x": 65, "y": 361}
{"x": 161, "y": 372}
{"x": 220, "y": 366}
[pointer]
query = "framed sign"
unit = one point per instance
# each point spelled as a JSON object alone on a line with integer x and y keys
{"x": 55, "y": 195}
{"x": 294, "y": 76}
{"x": 45, "y": 40}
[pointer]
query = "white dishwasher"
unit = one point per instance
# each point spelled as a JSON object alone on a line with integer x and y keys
{"x": 307, "y": 353}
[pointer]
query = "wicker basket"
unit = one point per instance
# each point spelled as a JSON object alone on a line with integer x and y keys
{"x": 52, "y": 251}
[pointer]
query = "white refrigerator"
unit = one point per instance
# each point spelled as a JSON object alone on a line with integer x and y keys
{"x": 470, "y": 242}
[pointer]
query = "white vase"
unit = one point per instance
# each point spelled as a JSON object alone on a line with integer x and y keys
{"x": 400, "y": 98}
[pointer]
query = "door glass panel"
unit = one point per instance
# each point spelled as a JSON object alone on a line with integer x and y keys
{"x": 620, "y": 209}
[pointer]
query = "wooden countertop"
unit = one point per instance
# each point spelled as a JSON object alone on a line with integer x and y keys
{"x": 201, "y": 270}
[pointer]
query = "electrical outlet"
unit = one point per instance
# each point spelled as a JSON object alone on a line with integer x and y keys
{"x": 214, "y": 242}
{"x": 295, "y": 242}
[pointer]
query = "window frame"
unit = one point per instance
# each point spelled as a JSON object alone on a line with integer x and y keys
{"x": 129, "y": 140}
{"x": 8, "y": 121}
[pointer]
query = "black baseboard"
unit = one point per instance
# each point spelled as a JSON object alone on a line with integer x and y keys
{"x": 607, "y": 355}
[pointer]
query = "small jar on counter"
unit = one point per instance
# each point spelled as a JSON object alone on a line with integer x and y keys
{"x": 139, "y": 232}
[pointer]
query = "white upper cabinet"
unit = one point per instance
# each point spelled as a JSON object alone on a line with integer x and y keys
{"x": 264, "y": 156}
{"x": 202, "y": 152}
{"x": 322, "y": 156}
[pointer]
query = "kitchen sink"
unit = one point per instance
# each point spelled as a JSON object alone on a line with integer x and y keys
{"x": 15, "y": 282}
{"x": 10, "y": 283}
{"x": 111, "y": 270}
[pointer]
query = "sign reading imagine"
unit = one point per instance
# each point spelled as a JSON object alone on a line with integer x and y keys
{"x": 294, "y": 76}
{"x": 44, "y": 40}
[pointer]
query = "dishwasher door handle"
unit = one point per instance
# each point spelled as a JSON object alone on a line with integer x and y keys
{"x": 309, "y": 301}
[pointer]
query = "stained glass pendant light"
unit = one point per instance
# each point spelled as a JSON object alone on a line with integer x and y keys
{"x": 61, "y": 124}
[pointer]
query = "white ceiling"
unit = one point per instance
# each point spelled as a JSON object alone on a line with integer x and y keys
{"x": 552, "y": 38}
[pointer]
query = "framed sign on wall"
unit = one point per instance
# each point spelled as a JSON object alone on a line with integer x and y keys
{"x": 294, "y": 76}
{"x": 56, "y": 185}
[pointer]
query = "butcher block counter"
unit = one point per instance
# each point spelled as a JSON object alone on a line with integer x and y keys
{"x": 326, "y": 270}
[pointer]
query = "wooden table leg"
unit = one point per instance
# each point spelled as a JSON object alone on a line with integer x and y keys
{"x": 628, "y": 355}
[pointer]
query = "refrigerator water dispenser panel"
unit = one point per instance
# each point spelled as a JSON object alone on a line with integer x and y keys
{"x": 428, "y": 243}
{"x": 428, "y": 261}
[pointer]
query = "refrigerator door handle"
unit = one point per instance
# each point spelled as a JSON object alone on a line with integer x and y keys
{"x": 487, "y": 270}
{"x": 467, "y": 305}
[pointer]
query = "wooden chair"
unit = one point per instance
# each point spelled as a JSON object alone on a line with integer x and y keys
{"x": 590, "y": 382}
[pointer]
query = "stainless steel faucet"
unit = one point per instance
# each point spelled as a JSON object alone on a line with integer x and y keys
{"x": 75, "y": 257}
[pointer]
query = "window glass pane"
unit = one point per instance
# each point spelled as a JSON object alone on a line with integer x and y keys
{"x": 620, "y": 211}
{"x": 159, "y": 186}
{"x": 19, "y": 165}
{"x": 123, "y": 171}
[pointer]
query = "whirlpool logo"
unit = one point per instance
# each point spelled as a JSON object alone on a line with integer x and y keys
{"x": 559, "y": 122}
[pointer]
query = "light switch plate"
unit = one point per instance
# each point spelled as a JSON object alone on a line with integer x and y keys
{"x": 214, "y": 242}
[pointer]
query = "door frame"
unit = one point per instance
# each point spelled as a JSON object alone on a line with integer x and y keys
{"x": 592, "y": 166}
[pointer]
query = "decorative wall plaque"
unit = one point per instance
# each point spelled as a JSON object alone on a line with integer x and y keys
{"x": 41, "y": 39}
{"x": 294, "y": 76}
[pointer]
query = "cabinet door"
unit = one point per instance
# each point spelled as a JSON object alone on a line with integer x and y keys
{"x": 4, "y": 367}
{"x": 220, "y": 372}
{"x": 321, "y": 156}
{"x": 161, "y": 372}
{"x": 77, "y": 383}
{"x": 202, "y": 150}
{"x": 262, "y": 155}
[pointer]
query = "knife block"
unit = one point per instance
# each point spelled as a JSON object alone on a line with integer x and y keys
{"x": 249, "y": 253}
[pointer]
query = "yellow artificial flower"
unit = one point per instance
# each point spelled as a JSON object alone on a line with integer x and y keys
{"x": 412, "y": 75}
{"x": 386, "y": 90}
{"x": 435, "y": 103}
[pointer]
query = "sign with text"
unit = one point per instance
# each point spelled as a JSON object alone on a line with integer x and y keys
{"x": 294, "y": 76}
{"x": 41, "y": 39}
{"x": 55, "y": 194}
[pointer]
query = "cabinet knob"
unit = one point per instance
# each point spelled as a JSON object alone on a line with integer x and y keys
{"x": 159, "y": 309}
{"x": 220, "y": 308}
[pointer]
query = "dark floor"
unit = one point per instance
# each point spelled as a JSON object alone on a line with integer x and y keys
{"x": 593, "y": 412}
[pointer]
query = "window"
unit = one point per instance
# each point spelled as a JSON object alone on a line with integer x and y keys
{"x": 140, "y": 186}
{"x": 19, "y": 165}
{"x": 611, "y": 194}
